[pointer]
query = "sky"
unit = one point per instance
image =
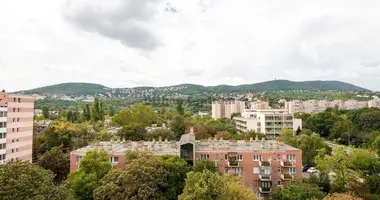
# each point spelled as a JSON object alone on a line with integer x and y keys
{"x": 127, "y": 43}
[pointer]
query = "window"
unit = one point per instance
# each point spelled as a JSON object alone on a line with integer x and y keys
{"x": 18, "y": 109}
{"x": 217, "y": 157}
{"x": 18, "y": 129}
{"x": 13, "y": 150}
{"x": 292, "y": 170}
{"x": 13, "y": 130}
{"x": 14, "y": 109}
{"x": 13, "y": 140}
{"x": 256, "y": 170}
{"x": 79, "y": 158}
{"x": 225, "y": 157}
{"x": 279, "y": 170}
{"x": 17, "y": 140}
{"x": 19, "y": 100}
{"x": 18, "y": 119}
{"x": 14, "y": 99}
{"x": 240, "y": 157}
{"x": 3, "y": 146}
{"x": 205, "y": 157}
{"x": 278, "y": 157}
{"x": 279, "y": 183}
{"x": 3, "y": 135}
{"x": 14, "y": 119}
{"x": 257, "y": 157}
{"x": 2, "y": 156}
{"x": 16, "y": 149}
{"x": 291, "y": 157}
{"x": 114, "y": 159}
{"x": 238, "y": 170}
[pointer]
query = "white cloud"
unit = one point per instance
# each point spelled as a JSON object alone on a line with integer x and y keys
{"x": 124, "y": 43}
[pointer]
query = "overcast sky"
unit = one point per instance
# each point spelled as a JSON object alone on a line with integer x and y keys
{"x": 125, "y": 43}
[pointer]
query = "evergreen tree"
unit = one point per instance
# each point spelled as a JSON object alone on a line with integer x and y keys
{"x": 87, "y": 113}
{"x": 45, "y": 112}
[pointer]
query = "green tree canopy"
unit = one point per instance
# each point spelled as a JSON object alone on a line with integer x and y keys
{"x": 298, "y": 191}
{"x": 202, "y": 165}
{"x": 57, "y": 161}
{"x": 93, "y": 167}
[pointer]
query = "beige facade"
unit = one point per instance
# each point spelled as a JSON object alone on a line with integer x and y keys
{"x": 225, "y": 109}
{"x": 267, "y": 121}
{"x": 374, "y": 103}
{"x": 16, "y": 127}
{"x": 259, "y": 105}
{"x": 317, "y": 106}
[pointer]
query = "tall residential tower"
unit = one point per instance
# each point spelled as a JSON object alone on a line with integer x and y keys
{"x": 16, "y": 127}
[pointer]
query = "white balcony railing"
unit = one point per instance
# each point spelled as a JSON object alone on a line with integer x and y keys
{"x": 3, "y": 119}
{"x": 288, "y": 163}
{"x": 3, "y": 109}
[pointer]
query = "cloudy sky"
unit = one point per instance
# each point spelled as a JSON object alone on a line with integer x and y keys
{"x": 125, "y": 43}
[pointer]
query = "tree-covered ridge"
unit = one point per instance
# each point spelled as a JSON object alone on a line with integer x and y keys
{"x": 68, "y": 89}
{"x": 187, "y": 89}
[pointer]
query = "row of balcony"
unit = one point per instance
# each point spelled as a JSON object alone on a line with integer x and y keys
{"x": 284, "y": 163}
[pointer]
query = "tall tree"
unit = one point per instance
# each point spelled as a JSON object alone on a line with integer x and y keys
{"x": 56, "y": 161}
{"x": 45, "y": 112}
{"x": 179, "y": 107}
{"x": 178, "y": 126}
{"x": 141, "y": 178}
{"x": 87, "y": 112}
{"x": 93, "y": 167}
{"x": 133, "y": 131}
{"x": 97, "y": 112}
{"x": 202, "y": 165}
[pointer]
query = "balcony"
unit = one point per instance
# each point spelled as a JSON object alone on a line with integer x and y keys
{"x": 288, "y": 163}
{"x": 264, "y": 163}
{"x": 3, "y": 130}
{"x": 233, "y": 163}
{"x": 287, "y": 177}
{"x": 3, "y": 119}
{"x": 264, "y": 190}
{"x": 3, "y": 109}
{"x": 265, "y": 177}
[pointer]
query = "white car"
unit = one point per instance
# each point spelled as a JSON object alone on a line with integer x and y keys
{"x": 312, "y": 170}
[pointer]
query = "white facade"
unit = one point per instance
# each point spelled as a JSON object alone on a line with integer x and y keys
{"x": 268, "y": 121}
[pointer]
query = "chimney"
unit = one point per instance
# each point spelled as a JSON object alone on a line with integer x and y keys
{"x": 191, "y": 131}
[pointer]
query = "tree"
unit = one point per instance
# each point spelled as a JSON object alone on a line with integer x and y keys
{"x": 301, "y": 115}
{"x": 93, "y": 167}
{"x": 298, "y": 191}
{"x": 345, "y": 196}
{"x": 163, "y": 133}
{"x": 45, "y": 112}
{"x": 338, "y": 163}
{"x": 208, "y": 186}
{"x": 87, "y": 112}
{"x": 340, "y": 129}
{"x": 373, "y": 181}
{"x": 178, "y": 126}
{"x": 24, "y": 180}
{"x": 142, "y": 178}
{"x": 202, "y": 165}
{"x": 138, "y": 113}
{"x": 200, "y": 132}
{"x": 97, "y": 110}
{"x": 376, "y": 145}
{"x": 179, "y": 107}
{"x": 365, "y": 161}
{"x": 321, "y": 123}
{"x": 322, "y": 180}
{"x": 70, "y": 116}
{"x": 133, "y": 131}
{"x": 56, "y": 161}
{"x": 177, "y": 169}
{"x": 223, "y": 134}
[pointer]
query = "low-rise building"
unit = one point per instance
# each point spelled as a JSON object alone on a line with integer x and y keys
{"x": 264, "y": 164}
{"x": 266, "y": 121}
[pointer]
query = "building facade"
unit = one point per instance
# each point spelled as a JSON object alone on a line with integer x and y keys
{"x": 259, "y": 105}
{"x": 264, "y": 164}
{"x": 266, "y": 121}
{"x": 16, "y": 127}
{"x": 225, "y": 109}
{"x": 317, "y": 106}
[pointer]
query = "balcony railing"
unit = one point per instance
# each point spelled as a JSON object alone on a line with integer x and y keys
{"x": 265, "y": 190}
{"x": 233, "y": 163}
{"x": 265, "y": 177}
{"x": 288, "y": 163}
{"x": 287, "y": 177}
{"x": 264, "y": 163}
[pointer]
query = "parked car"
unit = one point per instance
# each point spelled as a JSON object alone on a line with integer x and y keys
{"x": 305, "y": 168}
{"x": 312, "y": 170}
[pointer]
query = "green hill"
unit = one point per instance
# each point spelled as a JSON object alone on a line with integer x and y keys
{"x": 68, "y": 89}
{"x": 189, "y": 89}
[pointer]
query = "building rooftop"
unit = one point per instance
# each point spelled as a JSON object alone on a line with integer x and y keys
{"x": 172, "y": 147}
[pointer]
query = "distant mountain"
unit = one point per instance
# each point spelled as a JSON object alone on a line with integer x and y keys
{"x": 188, "y": 89}
{"x": 67, "y": 89}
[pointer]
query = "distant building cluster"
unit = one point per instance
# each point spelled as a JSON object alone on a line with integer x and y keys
{"x": 316, "y": 106}
{"x": 263, "y": 163}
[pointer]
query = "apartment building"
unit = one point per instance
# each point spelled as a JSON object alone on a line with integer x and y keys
{"x": 374, "y": 103}
{"x": 266, "y": 121}
{"x": 264, "y": 164}
{"x": 225, "y": 109}
{"x": 259, "y": 105}
{"x": 316, "y": 106}
{"x": 16, "y": 127}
